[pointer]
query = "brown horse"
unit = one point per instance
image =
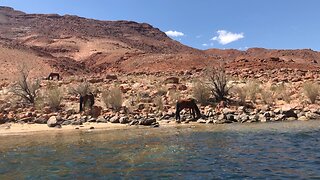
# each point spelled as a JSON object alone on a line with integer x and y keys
{"x": 87, "y": 99}
{"x": 190, "y": 104}
{"x": 53, "y": 75}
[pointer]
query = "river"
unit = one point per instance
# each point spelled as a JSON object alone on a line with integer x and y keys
{"x": 285, "y": 150}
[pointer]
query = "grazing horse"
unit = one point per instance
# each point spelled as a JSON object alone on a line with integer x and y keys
{"x": 87, "y": 99}
{"x": 190, "y": 104}
{"x": 52, "y": 75}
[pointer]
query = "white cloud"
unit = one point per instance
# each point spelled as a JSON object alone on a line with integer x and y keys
{"x": 224, "y": 37}
{"x": 174, "y": 33}
{"x": 206, "y": 45}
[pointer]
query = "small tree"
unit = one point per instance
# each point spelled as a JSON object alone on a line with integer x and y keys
{"x": 25, "y": 88}
{"x": 218, "y": 83}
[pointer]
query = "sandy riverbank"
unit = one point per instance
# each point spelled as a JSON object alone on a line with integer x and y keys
{"x": 22, "y": 129}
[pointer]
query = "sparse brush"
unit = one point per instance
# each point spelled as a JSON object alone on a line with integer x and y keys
{"x": 174, "y": 96}
{"x": 266, "y": 96}
{"x": 311, "y": 90}
{"x": 54, "y": 97}
{"x": 25, "y": 88}
{"x": 201, "y": 92}
{"x": 218, "y": 83}
{"x": 113, "y": 98}
{"x": 159, "y": 103}
{"x": 252, "y": 88}
{"x": 161, "y": 91}
{"x": 282, "y": 93}
{"x": 240, "y": 91}
{"x": 81, "y": 89}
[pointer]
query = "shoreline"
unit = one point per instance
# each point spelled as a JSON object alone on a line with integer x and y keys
{"x": 17, "y": 129}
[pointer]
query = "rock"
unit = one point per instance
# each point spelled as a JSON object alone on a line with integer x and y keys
{"x": 291, "y": 119}
{"x": 311, "y": 115}
{"x": 91, "y": 127}
{"x": 303, "y": 118}
{"x": 96, "y": 111}
{"x": 221, "y": 117}
{"x": 95, "y": 80}
{"x": 141, "y": 106}
{"x": 147, "y": 122}
{"x": 288, "y": 111}
{"x": 40, "y": 120}
{"x": 68, "y": 122}
{"x": 114, "y": 119}
{"x": 182, "y": 87}
{"x": 92, "y": 119}
{"x": 111, "y": 77}
{"x": 230, "y": 117}
{"x": 227, "y": 111}
{"x": 172, "y": 80}
{"x": 101, "y": 120}
{"x": 58, "y": 126}
{"x": 26, "y": 119}
{"x": 52, "y": 121}
{"x": 202, "y": 121}
{"x": 124, "y": 120}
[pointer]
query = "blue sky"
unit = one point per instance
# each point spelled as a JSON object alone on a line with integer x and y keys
{"x": 203, "y": 24}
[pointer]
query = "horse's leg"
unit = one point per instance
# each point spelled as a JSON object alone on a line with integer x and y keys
{"x": 81, "y": 103}
{"x": 178, "y": 109}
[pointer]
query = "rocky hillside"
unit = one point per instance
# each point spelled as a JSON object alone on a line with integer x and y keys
{"x": 75, "y": 45}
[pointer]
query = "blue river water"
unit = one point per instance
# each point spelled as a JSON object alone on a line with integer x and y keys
{"x": 286, "y": 150}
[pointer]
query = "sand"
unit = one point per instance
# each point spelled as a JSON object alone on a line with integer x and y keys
{"x": 21, "y": 129}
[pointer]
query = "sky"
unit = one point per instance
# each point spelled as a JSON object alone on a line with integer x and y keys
{"x": 204, "y": 24}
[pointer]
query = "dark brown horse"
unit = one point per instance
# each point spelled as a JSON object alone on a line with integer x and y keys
{"x": 53, "y": 75}
{"x": 187, "y": 104}
{"x": 87, "y": 99}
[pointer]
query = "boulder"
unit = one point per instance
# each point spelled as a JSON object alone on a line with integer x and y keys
{"x": 114, "y": 119}
{"x": 147, "y": 122}
{"x": 111, "y": 77}
{"x": 124, "y": 120}
{"x": 96, "y": 111}
{"x": 172, "y": 80}
{"x": 52, "y": 121}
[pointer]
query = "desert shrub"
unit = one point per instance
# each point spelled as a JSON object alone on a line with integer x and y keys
{"x": 81, "y": 89}
{"x": 113, "y": 98}
{"x": 311, "y": 90}
{"x": 252, "y": 88}
{"x": 240, "y": 91}
{"x": 53, "y": 97}
{"x": 218, "y": 83}
{"x": 266, "y": 96}
{"x": 25, "y": 88}
{"x": 201, "y": 92}
{"x": 281, "y": 92}
{"x": 161, "y": 90}
{"x": 174, "y": 96}
{"x": 159, "y": 103}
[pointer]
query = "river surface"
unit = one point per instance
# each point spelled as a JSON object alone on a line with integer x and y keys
{"x": 286, "y": 150}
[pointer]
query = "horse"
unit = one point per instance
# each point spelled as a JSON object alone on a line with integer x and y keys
{"x": 52, "y": 75}
{"x": 86, "y": 99}
{"x": 190, "y": 104}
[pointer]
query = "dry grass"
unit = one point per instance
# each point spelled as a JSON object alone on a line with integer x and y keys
{"x": 252, "y": 89}
{"x": 311, "y": 90}
{"x": 54, "y": 97}
{"x": 113, "y": 98}
{"x": 201, "y": 92}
